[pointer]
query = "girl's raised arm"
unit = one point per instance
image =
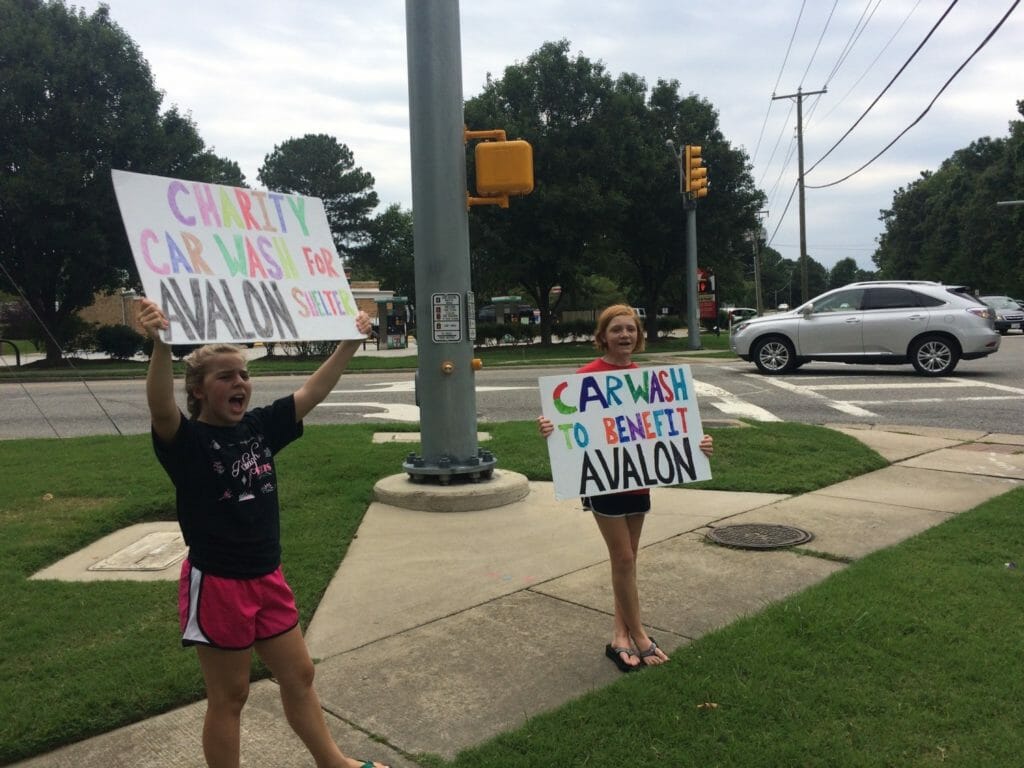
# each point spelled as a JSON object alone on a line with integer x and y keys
{"x": 163, "y": 410}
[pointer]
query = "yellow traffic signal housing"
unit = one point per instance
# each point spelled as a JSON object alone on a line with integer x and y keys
{"x": 696, "y": 173}
{"x": 503, "y": 168}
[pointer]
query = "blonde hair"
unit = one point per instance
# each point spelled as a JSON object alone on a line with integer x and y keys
{"x": 196, "y": 365}
{"x": 605, "y": 319}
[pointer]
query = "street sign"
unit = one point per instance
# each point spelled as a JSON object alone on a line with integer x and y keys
{"x": 446, "y": 320}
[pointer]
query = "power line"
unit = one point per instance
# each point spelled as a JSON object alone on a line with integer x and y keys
{"x": 920, "y": 117}
{"x": 875, "y": 60}
{"x": 817, "y": 45}
{"x": 887, "y": 87}
{"x": 771, "y": 102}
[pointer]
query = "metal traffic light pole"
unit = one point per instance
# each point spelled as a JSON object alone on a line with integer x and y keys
{"x": 444, "y": 301}
{"x": 690, "y": 206}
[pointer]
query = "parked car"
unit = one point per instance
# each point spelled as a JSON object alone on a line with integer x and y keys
{"x": 736, "y": 315}
{"x": 1008, "y": 313}
{"x": 929, "y": 325}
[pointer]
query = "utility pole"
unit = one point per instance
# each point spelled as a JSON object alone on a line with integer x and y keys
{"x": 758, "y": 234}
{"x": 799, "y": 96}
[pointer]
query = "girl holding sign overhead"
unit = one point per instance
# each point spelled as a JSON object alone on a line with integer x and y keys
{"x": 232, "y": 596}
{"x": 620, "y": 516}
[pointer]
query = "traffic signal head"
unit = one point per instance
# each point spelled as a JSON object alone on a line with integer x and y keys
{"x": 696, "y": 173}
{"x": 504, "y": 167}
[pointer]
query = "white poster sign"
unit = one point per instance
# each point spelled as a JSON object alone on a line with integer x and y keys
{"x": 623, "y": 430}
{"x": 234, "y": 264}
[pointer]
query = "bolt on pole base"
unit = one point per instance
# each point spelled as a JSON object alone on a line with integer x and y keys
{"x": 447, "y": 469}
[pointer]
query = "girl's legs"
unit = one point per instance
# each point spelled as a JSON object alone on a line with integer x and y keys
{"x": 227, "y": 687}
{"x": 622, "y": 537}
{"x": 288, "y": 660}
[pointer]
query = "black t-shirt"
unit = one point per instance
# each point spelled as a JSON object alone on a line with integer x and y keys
{"x": 226, "y": 489}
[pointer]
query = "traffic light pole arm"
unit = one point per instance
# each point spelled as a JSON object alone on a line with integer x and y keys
{"x": 501, "y": 200}
{"x": 495, "y": 135}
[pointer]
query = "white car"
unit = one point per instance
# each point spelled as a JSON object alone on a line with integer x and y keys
{"x": 929, "y": 325}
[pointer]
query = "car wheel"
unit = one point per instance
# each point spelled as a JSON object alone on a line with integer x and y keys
{"x": 774, "y": 355}
{"x": 934, "y": 355}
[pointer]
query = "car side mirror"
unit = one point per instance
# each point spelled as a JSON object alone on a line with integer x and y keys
{"x": 807, "y": 309}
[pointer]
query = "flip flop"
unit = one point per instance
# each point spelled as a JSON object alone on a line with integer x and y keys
{"x": 614, "y": 654}
{"x": 367, "y": 764}
{"x": 651, "y": 651}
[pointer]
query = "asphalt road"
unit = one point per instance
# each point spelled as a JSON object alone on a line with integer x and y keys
{"x": 985, "y": 394}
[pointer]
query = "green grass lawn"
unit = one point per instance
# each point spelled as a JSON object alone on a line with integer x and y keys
{"x": 83, "y": 658}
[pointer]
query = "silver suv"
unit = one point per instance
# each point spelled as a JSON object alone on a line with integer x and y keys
{"x": 930, "y": 325}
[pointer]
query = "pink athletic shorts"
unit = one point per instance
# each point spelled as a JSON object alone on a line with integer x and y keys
{"x": 233, "y": 613}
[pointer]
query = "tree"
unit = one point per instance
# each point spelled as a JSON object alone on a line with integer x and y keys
{"x": 606, "y": 197}
{"x": 777, "y": 277}
{"x": 946, "y": 225}
{"x": 76, "y": 100}
{"x": 843, "y": 272}
{"x": 388, "y": 256}
{"x": 557, "y": 234}
{"x": 182, "y": 154}
{"x": 653, "y": 235}
{"x": 316, "y": 165}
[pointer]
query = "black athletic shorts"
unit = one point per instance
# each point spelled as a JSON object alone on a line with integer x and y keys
{"x": 618, "y": 504}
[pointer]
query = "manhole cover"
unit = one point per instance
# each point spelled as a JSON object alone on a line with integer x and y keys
{"x": 759, "y": 536}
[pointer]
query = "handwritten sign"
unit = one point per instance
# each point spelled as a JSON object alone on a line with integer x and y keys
{"x": 234, "y": 264}
{"x": 623, "y": 430}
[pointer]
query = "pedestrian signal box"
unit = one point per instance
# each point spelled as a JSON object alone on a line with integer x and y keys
{"x": 503, "y": 168}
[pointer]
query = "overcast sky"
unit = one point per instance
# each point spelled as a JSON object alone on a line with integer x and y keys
{"x": 256, "y": 73}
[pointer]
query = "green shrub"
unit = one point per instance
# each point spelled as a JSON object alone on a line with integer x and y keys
{"x": 575, "y": 330}
{"x": 119, "y": 341}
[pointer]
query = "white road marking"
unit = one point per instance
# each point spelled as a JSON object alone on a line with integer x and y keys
{"x": 937, "y": 399}
{"x": 391, "y": 411}
{"x": 724, "y": 401}
{"x": 874, "y": 385}
{"x": 839, "y": 405}
{"x": 1000, "y": 387}
{"x": 854, "y": 406}
{"x": 730, "y": 404}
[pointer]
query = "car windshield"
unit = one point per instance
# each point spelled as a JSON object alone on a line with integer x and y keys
{"x": 1000, "y": 302}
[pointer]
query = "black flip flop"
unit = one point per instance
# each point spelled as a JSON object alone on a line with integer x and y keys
{"x": 614, "y": 654}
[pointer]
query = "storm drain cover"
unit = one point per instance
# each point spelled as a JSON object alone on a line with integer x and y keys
{"x": 759, "y": 536}
{"x": 153, "y": 552}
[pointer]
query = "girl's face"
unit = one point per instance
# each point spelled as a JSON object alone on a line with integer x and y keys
{"x": 225, "y": 390}
{"x": 620, "y": 337}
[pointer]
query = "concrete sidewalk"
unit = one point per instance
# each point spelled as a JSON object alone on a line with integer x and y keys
{"x": 440, "y": 631}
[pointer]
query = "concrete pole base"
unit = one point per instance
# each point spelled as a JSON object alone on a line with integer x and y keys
{"x": 501, "y": 488}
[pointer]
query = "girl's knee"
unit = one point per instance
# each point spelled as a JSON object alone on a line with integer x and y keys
{"x": 298, "y": 675}
{"x": 228, "y": 698}
{"x": 623, "y": 561}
